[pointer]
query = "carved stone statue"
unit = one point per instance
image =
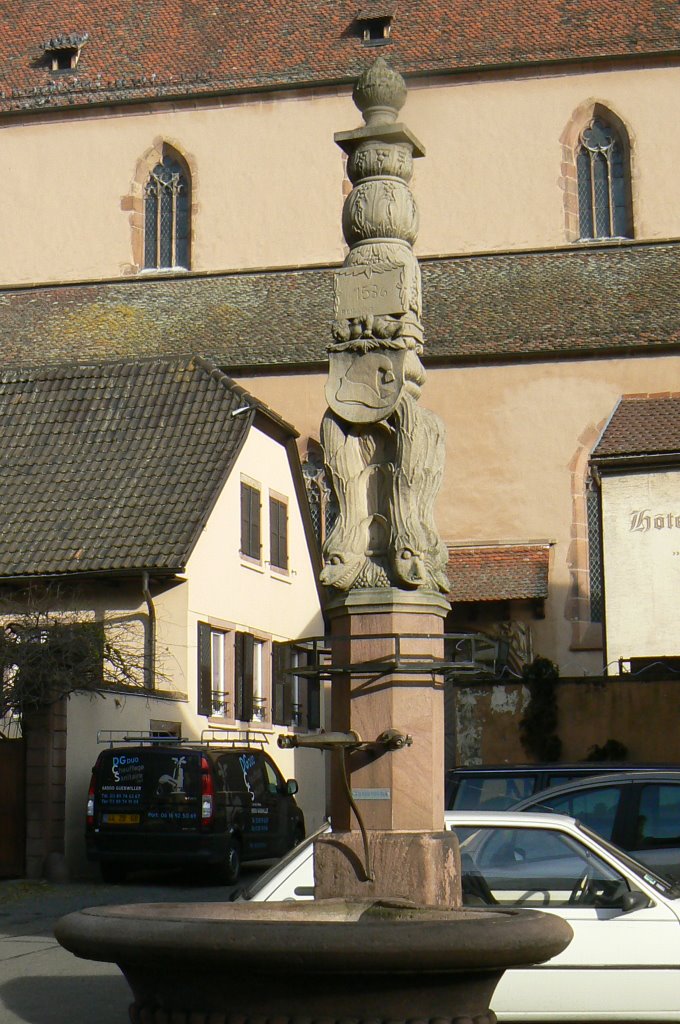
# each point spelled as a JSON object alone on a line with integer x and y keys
{"x": 384, "y": 454}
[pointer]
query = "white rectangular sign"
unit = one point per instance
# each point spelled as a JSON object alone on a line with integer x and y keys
{"x": 378, "y": 291}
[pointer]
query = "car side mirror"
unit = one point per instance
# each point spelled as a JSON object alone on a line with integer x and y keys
{"x": 634, "y": 900}
{"x": 291, "y": 787}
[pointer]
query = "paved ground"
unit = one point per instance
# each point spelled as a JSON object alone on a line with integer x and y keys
{"x": 40, "y": 983}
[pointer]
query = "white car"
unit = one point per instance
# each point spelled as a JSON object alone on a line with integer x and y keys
{"x": 624, "y": 960}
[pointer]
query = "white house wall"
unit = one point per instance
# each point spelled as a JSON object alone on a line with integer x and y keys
{"x": 229, "y": 592}
{"x": 219, "y": 588}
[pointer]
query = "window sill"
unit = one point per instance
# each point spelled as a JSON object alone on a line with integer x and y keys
{"x": 611, "y": 239}
{"x": 282, "y": 575}
{"x": 586, "y": 636}
{"x": 164, "y": 271}
{"x": 236, "y": 724}
{"x": 247, "y": 563}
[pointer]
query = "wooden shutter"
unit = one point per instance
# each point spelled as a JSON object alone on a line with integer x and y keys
{"x": 204, "y": 669}
{"x": 278, "y": 533}
{"x": 244, "y": 646}
{"x": 250, "y": 521}
{"x": 280, "y": 683}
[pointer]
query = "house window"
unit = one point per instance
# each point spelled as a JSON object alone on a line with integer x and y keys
{"x": 166, "y": 216}
{"x": 62, "y": 52}
{"x": 278, "y": 534}
{"x": 375, "y": 21}
{"x": 323, "y": 504}
{"x": 214, "y": 649}
{"x": 595, "y": 573}
{"x": 604, "y": 207}
{"x": 250, "y": 521}
{"x": 259, "y": 698}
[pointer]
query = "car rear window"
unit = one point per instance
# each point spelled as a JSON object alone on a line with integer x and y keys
{"x": 131, "y": 777}
{"x": 492, "y": 793}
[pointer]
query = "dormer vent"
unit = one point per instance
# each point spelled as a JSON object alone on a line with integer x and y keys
{"x": 63, "y": 51}
{"x": 375, "y": 22}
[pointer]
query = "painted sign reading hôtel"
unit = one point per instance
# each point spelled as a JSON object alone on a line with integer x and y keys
{"x": 642, "y": 520}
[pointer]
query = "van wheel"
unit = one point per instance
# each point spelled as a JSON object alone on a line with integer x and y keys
{"x": 231, "y": 867}
{"x": 113, "y": 874}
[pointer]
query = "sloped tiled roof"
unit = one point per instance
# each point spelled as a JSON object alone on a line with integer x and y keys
{"x": 641, "y": 425}
{"x": 145, "y": 49}
{"x": 498, "y": 572}
{"x": 573, "y": 301}
{"x": 114, "y": 466}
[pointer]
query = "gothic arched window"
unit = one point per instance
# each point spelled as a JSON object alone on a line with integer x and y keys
{"x": 166, "y": 215}
{"x": 603, "y": 183}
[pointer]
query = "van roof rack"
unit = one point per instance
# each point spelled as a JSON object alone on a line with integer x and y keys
{"x": 232, "y": 737}
{"x": 228, "y": 736}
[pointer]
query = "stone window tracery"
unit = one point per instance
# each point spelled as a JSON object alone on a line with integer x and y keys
{"x": 603, "y": 204}
{"x": 166, "y": 216}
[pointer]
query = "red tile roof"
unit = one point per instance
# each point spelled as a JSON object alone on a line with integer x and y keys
{"x": 498, "y": 572}
{"x": 140, "y": 49}
{"x": 642, "y": 425}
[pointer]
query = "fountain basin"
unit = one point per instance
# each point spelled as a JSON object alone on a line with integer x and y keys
{"x": 328, "y": 960}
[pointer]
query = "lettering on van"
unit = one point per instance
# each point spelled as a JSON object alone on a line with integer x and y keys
{"x": 247, "y": 762}
{"x": 126, "y": 769}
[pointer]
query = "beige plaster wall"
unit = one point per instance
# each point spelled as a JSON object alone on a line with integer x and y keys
{"x": 589, "y": 714}
{"x": 641, "y": 523}
{"x": 491, "y": 177}
{"x": 518, "y": 437}
{"x": 267, "y": 176}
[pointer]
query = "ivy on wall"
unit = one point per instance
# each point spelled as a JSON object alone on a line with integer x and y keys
{"x": 538, "y": 727}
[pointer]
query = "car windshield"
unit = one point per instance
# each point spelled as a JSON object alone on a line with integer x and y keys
{"x": 664, "y": 885}
{"x": 249, "y": 892}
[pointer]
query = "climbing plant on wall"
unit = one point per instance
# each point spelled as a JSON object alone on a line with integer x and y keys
{"x": 538, "y": 727}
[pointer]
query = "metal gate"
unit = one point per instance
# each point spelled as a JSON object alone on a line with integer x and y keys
{"x": 12, "y": 808}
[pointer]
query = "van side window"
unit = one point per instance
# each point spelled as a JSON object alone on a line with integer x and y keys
{"x": 273, "y": 780}
{"x": 251, "y": 767}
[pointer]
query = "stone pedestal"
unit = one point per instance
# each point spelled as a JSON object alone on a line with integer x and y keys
{"x": 410, "y": 866}
{"x": 403, "y": 790}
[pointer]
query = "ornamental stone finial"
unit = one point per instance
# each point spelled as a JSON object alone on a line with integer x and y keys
{"x": 384, "y": 454}
{"x": 379, "y": 93}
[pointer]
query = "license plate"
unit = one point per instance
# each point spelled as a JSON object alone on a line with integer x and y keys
{"x": 121, "y": 819}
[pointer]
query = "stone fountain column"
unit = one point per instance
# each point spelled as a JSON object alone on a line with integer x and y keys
{"x": 392, "y": 944}
{"x": 384, "y": 562}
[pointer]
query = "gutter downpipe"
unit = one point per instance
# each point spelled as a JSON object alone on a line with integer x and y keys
{"x": 150, "y": 633}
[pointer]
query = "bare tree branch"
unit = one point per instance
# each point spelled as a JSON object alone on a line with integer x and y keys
{"x": 52, "y": 645}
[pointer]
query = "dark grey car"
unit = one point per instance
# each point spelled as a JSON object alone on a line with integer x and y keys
{"x": 638, "y": 810}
